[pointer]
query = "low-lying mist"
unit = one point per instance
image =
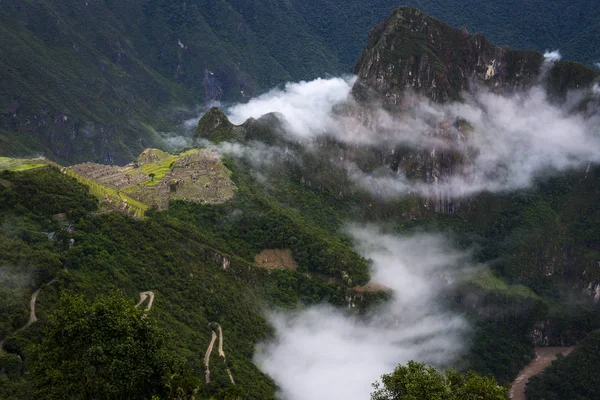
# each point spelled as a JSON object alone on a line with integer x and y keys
{"x": 325, "y": 353}
{"x": 505, "y": 141}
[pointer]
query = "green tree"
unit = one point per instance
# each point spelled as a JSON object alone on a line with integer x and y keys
{"x": 104, "y": 350}
{"x": 417, "y": 381}
{"x": 152, "y": 175}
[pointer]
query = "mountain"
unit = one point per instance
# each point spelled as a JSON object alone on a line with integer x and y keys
{"x": 99, "y": 81}
{"x": 256, "y": 218}
{"x": 410, "y": 50}
{"x": 413, "y": 76}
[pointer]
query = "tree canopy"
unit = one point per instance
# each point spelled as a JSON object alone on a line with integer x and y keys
{"x": 418, "y": 381}
{"x": 102, "y": 350}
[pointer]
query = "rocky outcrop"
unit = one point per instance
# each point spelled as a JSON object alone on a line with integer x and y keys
{"x": 413, "y": 52}
{"x": 216, "y": 127}
{"x": 411, "y": 57}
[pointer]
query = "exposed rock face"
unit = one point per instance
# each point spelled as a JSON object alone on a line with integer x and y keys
{"x": 411, "y": 57}
{"x": 216, "y": 127}
{"x": 410, "y": 50}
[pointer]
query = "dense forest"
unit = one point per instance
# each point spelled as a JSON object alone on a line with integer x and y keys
{"x": 165, "y": 253}
{"x": 178, "y": 254}
{"x": 76, "y": 89}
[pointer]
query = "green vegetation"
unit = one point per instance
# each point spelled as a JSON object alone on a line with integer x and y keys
{"x": 97, "y": 81}
{"x": 197, "y": 258}
{"x": 256, "y": 220}
{"x": 572, "y": 377}
{"x": 137, "y": 208}
{"x": 24, "y": 164}
{"x": 417, "y": 381}
{"x": 162, "y": 253}
{"x": 104, "y": 350}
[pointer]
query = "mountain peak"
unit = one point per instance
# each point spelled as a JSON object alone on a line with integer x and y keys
{"x": 413, "y": 51}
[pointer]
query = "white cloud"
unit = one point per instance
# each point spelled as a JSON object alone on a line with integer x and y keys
{"x": 306, "y": 105}
{"x": 552, "y": 56}
{"x": 325, "y": 353}
{"x": 514, "y": 138}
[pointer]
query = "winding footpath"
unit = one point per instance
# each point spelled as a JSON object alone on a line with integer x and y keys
{"x": 143, "y": 297}
{"x": 207, "y": 356}
{"x": 220, "y": 352}
{"x": 543, "y": 358}
{"x": 33, "y": 317}
{"x": 148, "y": 295}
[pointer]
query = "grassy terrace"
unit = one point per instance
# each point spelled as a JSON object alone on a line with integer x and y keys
{"x": 22, "y": 164}
{"x": 102, "y": 192}
{"x": 137, "y": 197}
{"x": 160, "y": 168}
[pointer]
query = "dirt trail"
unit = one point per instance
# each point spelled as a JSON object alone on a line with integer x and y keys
{"x": 32, "y": 317}
{"x": 543, "y": 358}
{"x": 221, "y": 354}
{"x": 143, "y": 297}
{"x": 207, "y": 356}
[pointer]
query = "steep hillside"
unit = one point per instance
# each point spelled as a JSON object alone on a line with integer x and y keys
{"x": 256, "y": 218}
{"x": 198, "y": 269}
{"x": 412, "y": 51}
{"x": 416, "y": 167}
{"x": 96, "y": 81}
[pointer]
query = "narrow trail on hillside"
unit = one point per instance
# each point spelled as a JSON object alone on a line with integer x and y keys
{"x": 207, "y": 356}
{"x": 543, "y": 358}
{"x": 222, "y": 354}
{"x": 32, "y": 316}
{"x": 145, "y": 295}
{"x": 219, "y": 351}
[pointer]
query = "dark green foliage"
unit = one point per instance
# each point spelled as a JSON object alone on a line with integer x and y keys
{"x": 572, "y": 377}
{"x": 257, "y": 220}
{"x": 96, "y": 80}
{"x": 501, "y": 349}
{"x": 105, "y": 350}
{"x": 44, "y": 193}
{"x": 28, "y": 200}
{"x": 417, "y": 381}
{"x": 161, "y": 253}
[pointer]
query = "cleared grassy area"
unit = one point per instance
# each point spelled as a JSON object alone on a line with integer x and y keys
{"x": 161, "y": 168}
{"x": 21, "y": 164}
{"x": 487, "y": 281}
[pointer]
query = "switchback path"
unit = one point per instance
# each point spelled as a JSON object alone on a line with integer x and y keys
{"x": 32, "y": 317}
{"x": 207, "y": 356}
{"x": 543, "y": 358}
{"x": 221, "y": 354}
{"x": 143, "y": 297}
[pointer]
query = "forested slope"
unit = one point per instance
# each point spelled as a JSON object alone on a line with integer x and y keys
{"x": 98, "y": 80}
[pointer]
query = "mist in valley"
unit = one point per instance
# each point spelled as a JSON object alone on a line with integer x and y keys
{"x": 511, "y": 139}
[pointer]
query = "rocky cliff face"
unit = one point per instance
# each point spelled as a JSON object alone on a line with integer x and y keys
{"x": 411, "y": 57}
{"x": 414, "y": 52}
{"x": 216, "y": 127}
